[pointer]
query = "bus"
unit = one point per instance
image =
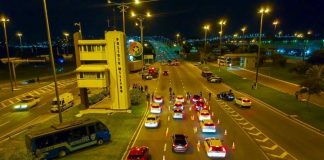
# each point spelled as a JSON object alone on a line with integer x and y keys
{"x": 60, "y": 140}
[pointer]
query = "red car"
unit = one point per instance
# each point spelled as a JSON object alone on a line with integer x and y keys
{"x": 139, "y": 153}
{"x": 200, "y": 105}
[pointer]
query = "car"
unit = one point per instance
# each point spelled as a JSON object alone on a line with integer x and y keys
{"x": 206, "y": 73}
{"x": 243, "y": 102}
{"x": 227, "y": 95}
{"x": 215, "y": 80}
{"x": 178, "y": 105}
{"x": 179, "y": 143}
{"x": 147, "y": 76}
{"x": 203, "y": 115}
{"x": 158, "y": 99}
{"x": 197, "y": 64}
{"x": 26, "y": 103}
{"x": 165, "y": 73}
{"x": 214, "y": 148}
{"x": 208, "y": 126}
{"x": 200, "y": 105}
{"x": 156, "y": 108}
{"x": 180, "y": 98}
{"x": 178, "y": 113}
{"x": 139, "y": 153}
{"x": 152, "y": 121}
{"x": 195, "y": 98}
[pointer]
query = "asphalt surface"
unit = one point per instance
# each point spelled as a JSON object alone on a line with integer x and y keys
{"x": 258, "y": 133}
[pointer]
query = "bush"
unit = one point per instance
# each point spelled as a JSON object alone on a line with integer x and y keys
{"x": 136, "y": 96}
{"x": 97, "y": 97}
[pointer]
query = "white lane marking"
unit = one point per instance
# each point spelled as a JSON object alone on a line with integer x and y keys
{"x": 245, "y": 123}
{"x": 30, "y": 94}
{"x": 4, "y": 123}
{"x": 18, "y": 99}
{"x": 195, "y": 129}
{"x": 168, "y": 118}
{"x": 165, "y": 145}
{"x": 248, "y": 128}
{"x": 166, "y": 132}
{"x": 3, "y": 104}
{"x": 255, "y": 134}
{"x": 270, "y": 148}
{"x": 283, "y": 155}
{"x": 10, "y": 101}
{"x": 262, "y": 140}
{"x": 163, "y": 157}
{"x": 37, "y": 92}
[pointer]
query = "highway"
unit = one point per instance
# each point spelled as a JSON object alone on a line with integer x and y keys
{"x": 159, "y": 140}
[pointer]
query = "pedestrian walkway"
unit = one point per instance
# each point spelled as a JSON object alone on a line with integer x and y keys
{"x": 277, "y": 84}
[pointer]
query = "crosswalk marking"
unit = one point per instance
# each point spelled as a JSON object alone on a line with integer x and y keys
{"x": 270, "y": 148}
{"x": 283, "y": 155}
{"x": 262, "y": 140}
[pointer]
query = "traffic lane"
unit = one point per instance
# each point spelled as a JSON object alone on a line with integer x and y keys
{"x": 264, "y": 119}
{"x": 186, "y": 126}
{"x": 17, "y": 121}
{"x": 288, "y": 134}
{"x": 245, "y": 146}
{"x": 278, "y": 85}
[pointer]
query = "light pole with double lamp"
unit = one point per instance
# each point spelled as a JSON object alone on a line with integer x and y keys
{"x": 80, "y": 29}
{"x": 221, "y": 23}
{"x": 49, "y": 39}
{"x": 123, "y": 8}
{"x": 243, "y": 29}
{"x": 4, "y": 20}
{"x": 66, "y": 34}
{"x": 206, "y": 28}
{"x": 262, "y": 11}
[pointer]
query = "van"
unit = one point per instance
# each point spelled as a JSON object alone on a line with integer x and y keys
{"x": 66, "y": 101}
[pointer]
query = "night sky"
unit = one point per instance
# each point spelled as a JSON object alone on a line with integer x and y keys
{"x": 169, "y": 17}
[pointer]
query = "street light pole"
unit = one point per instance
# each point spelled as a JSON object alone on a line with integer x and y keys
{"x": 4, "y": 20}
{"x": 52, "y": 61}
{"x": 67, "y": 41}
{"x": 80, "y": 29}
{"x": 262, "y": 12}
{"x": 19, "y": 35}
{"x": 243, "y": 33}
{"x": 221, "y": 23}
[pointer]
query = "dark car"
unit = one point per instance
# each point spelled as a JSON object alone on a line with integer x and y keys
{"x": 195, "y": 98}
{"x": 165, "y": 73}
{"x": 139, "y": 153}
{"x": 147, "y": 76}
{"x": 228, "y": 96}
{"x": 179, "y": 143}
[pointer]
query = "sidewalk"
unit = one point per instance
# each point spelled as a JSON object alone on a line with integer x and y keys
{"x": 280, "y": 85}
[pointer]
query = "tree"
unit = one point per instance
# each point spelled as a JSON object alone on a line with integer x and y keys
{"x": 317, "y": 58}
{"x": 314, "y": 82}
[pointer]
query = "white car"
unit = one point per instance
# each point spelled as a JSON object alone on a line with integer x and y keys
{"x": 243, "y": 102}
{"x": 178, "y": 113}
{"x": 26, "y": 103}
{"x": 156, "y": 108}
{"x": 203, "y": 115}
{"x": 152, "y": 121}
{"x": 214, "y": 148}
{"x": 208, "y": 126}
{"x": 180, "y": 98}
{"x": 178, "y": 105}
{"x": 158, "y": 99}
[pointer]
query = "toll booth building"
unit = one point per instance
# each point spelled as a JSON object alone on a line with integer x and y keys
{"x": 94, "y": 71}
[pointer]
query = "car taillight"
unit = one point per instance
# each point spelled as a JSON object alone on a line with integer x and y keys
{"x": 186, "y": 145}
{"x": 173, "y": 145}
{"x": 246, "y": 100}
{"x": 223, "y": 149}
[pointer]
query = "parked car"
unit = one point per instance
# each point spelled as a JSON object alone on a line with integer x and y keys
{"x": 215, "y": 79}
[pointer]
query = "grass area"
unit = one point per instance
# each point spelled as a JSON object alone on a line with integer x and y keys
{"x": 32, "y": 70}
{"x": 283, "y": 73}
{"x": 121, "y": 130}
{"x": 306, "y": 112}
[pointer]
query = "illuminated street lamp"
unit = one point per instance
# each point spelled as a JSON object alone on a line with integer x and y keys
{"x": 221, "y": 23}
{"x": 206, "y": 28}
{"x": 52, "y": 61}
{"x": 19, "y": 35}
{"x": 243, "y": 32}
{"x": 4, "y": 20}
{"x": 66, "y": 34}
{"x": 140, "y": 18}
{"x": 275, "y": 23}
{"x": 123, "y": 7}
{"x": 279, "y": 33}
{"x": 178, "y": 36}
{"x": 262, "y": 11}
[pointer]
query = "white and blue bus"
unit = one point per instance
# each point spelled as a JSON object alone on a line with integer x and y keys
{"x": 60, "y": 140}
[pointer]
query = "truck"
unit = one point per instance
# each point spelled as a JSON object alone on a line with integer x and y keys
{"x": 66, "y": 101}
{"x": 26, "y": 103}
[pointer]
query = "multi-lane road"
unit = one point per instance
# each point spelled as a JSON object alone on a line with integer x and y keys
{"x": 257, "y": 133}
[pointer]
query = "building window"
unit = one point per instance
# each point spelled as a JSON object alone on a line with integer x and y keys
{"x": 98, "y": 75}
{"x": 81, "y": 75}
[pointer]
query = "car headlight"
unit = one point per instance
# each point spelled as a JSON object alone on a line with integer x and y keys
{"x": 17, "y": 106}
{"x": 24, "y": 106}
